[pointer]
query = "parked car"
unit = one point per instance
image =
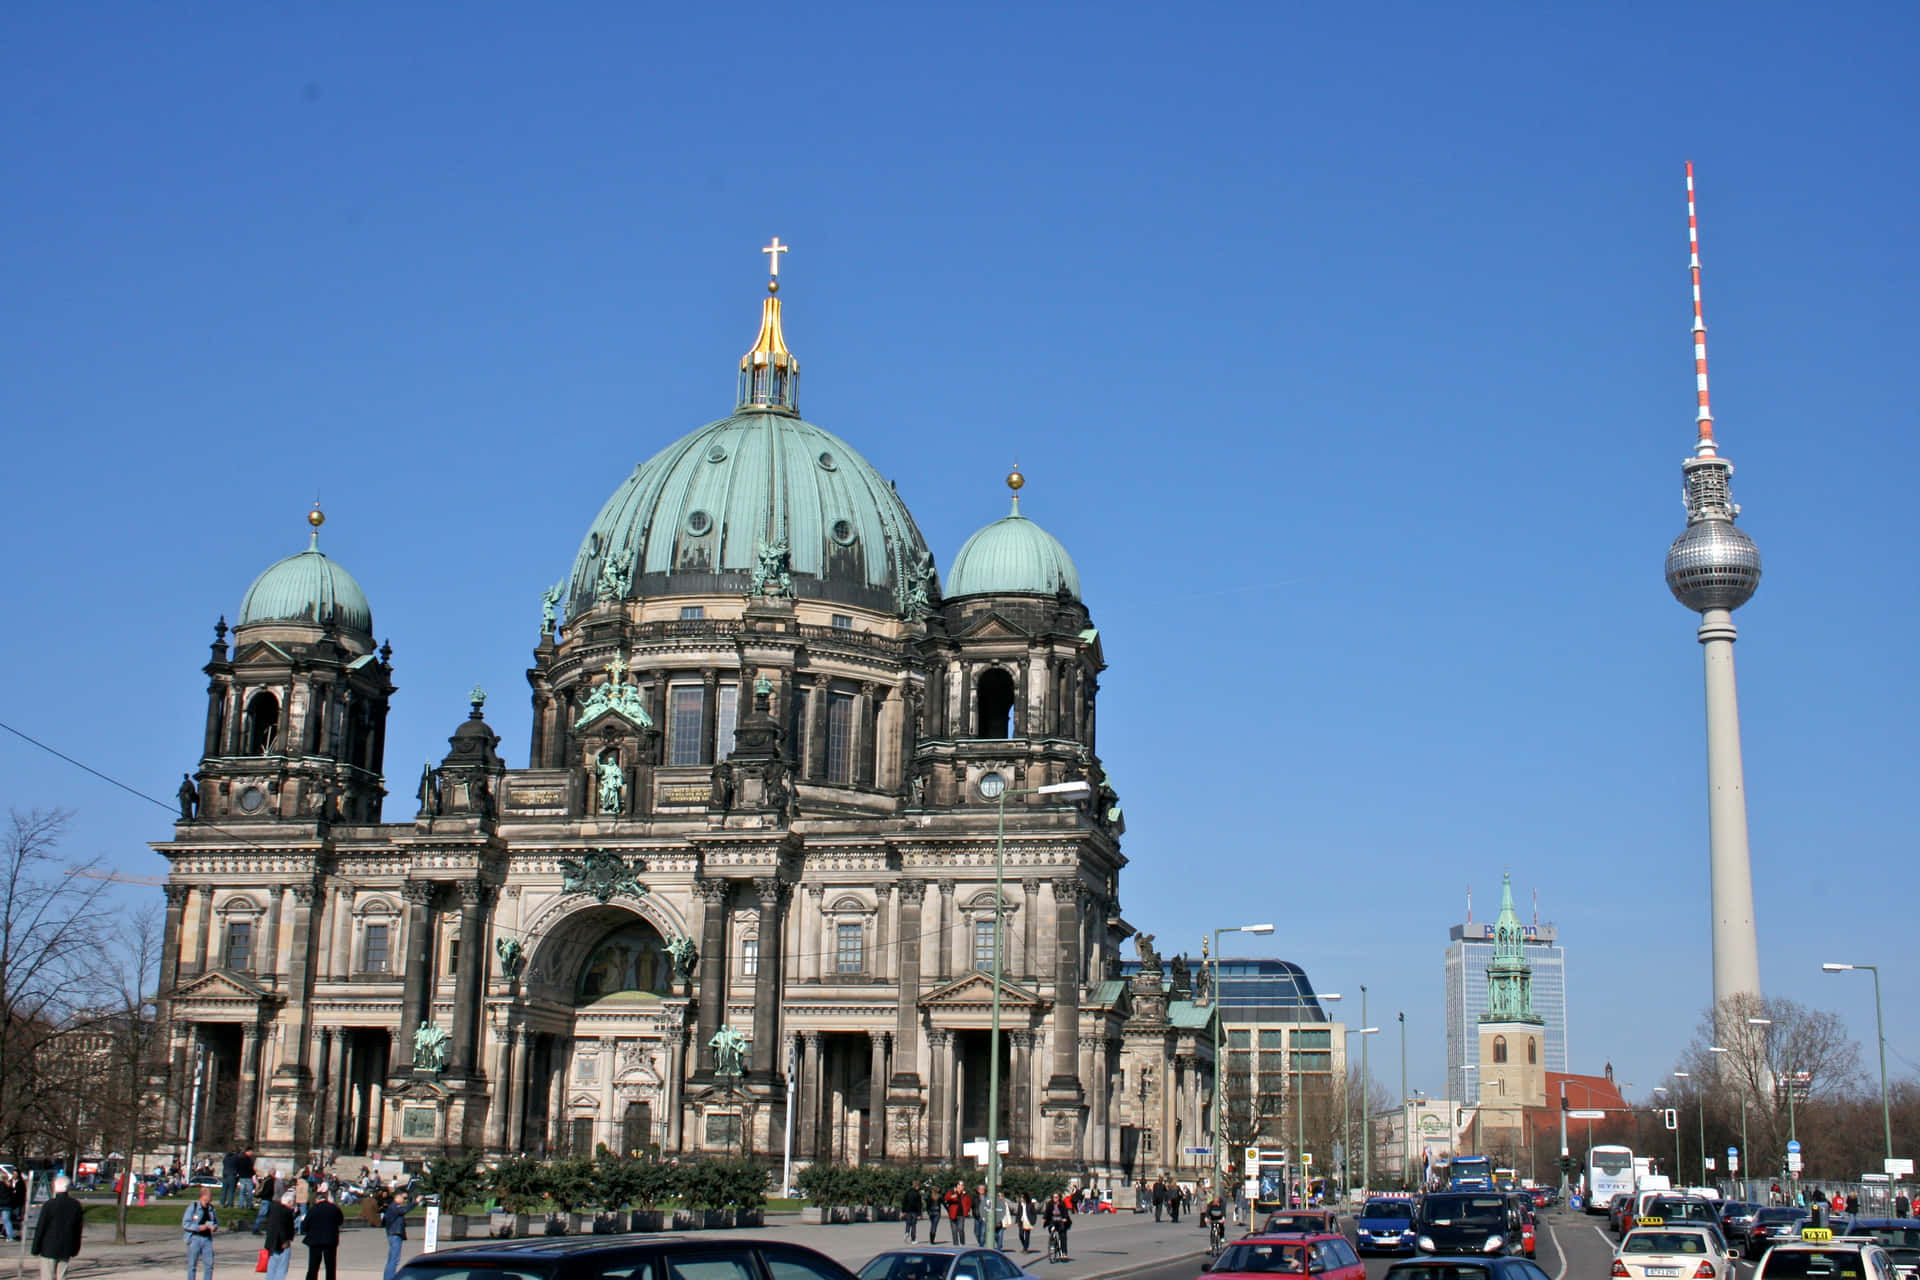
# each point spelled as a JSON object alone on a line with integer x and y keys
{"x": 943, "y": 1262}
{"x": 592, "y": 1258}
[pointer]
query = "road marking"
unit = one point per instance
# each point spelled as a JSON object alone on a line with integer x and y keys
{"x": 1603, "y": 1238}
{"x": 1554, "y": 1236}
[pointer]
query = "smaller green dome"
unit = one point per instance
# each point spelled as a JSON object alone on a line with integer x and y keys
{"x": 310, "y": 588}
{"x": 1012, "y": 556}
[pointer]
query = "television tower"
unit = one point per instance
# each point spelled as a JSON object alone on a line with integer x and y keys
{"x": 1713, "y": 568}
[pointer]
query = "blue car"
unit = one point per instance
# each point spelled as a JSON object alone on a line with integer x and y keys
{"x": 1385, "y": 1225}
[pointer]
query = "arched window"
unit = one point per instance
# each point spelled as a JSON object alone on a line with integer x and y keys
{"x": 1499, "y": 1049}
{"x": 262, "y": 725}
{"x": 631, "y": 958}
{"x": 1533, "y": 1052}
{"x": 993, "y": 704}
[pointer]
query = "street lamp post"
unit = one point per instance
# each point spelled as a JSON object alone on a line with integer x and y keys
{"x": 1714, "y": 1048}
{"x": 1406, "y": 1137}
{"x": 994, "y": 787}
{"x": 1366, "y": 1116}
{"x": 1219, "y": 1049}
{"x": 1880, "y": 1034}
{"x": 1700, "y": 1114}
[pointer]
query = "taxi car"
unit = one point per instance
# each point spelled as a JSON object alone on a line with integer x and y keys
{"x": 1656, "y": 1250}
{"x": 1322, "y": 1254}
{"x": 1820, "y": 1255}
{"x": 1899, "y": 1236}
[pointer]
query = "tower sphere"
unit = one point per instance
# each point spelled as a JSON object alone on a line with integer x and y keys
{"x": 1713, "y": 565}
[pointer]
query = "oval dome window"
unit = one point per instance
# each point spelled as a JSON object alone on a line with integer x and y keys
{"x": 698, "y": 523}
{"x": 842, "y": 531}
{"x": 826, "y": 462}
{"x": 717, "y": 454}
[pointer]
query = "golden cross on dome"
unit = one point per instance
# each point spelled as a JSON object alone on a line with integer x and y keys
{"x": 617, "y": 668}
{"x": 773, "y": 252}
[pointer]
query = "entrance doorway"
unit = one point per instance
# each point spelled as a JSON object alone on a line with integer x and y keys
{"x": 972, "y": 1068}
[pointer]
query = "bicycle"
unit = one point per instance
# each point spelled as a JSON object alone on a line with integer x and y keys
{"x": 1216, "y": 1237}
{"x": 1056, "y": 1244}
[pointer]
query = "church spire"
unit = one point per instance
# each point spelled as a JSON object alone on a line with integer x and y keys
{"x": 1509, "y": 977}
{"x": 769, "y": 373}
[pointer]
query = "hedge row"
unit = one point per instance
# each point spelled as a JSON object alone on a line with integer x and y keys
{"x": 521, "y": 1183}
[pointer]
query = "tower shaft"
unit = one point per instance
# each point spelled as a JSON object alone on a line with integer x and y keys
{"x": 1736, "y": 944}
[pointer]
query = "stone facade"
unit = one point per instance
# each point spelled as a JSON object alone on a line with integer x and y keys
{"x": 559, "y": 956}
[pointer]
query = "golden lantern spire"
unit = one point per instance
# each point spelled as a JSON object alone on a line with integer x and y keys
{"x": 769, "y": 373}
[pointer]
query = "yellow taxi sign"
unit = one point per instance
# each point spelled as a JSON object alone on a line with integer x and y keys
{"x": 1817, "y": 1234}
{"x": 1649, "y": 1222}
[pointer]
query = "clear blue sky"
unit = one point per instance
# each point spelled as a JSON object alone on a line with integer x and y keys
{"x": 1345, "y": 346}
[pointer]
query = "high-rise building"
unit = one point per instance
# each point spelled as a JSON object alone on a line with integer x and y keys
{"x": 1470, "y": 950}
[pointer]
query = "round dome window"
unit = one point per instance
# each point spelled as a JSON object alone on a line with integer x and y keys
{"x": 826, "y": 462}
{"x": 842, "y": 531}
{"x": 698, "y": 523}
{"x": 717, "y": 454}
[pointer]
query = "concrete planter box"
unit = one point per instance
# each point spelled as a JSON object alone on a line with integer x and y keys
{"x": 718, "y": 1219}
{"x": 579, "y": 1224}
{"x": 812, "y": 1216}
{"x": 749, "y": 1218}
{"x": 648, "y": 1220}
{"x": 453, "y": 1226}
{"x": 510, "y": 1225}
{"x": 687, "y": 1220}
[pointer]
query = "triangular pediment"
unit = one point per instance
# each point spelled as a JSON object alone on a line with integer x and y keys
{"x": 975, "y": 990}
{"x": 991, "y": 625}
{"x": 220, "y": 984}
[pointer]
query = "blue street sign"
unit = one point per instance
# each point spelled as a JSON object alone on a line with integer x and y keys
{"x": 1733, "y": 1151}
{"x": 1794, "y": 1147}
{"x": 1197, "y": 1151}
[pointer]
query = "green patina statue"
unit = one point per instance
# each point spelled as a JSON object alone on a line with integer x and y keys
{"x": 729, "y": 1052}
{"x": 430, "y": 1045}
{"x": 602, "y": 874}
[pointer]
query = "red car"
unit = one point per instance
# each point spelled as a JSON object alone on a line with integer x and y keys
{"x": 1261, "y": 1257}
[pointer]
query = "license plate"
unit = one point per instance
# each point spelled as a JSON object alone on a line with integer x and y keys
{"x": 1663, "y": 1271}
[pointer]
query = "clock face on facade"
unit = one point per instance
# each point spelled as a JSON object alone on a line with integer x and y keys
{"x": 251, "y": 800}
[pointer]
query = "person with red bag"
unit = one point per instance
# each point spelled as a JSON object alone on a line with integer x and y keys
{"x": 277, "y": 1254}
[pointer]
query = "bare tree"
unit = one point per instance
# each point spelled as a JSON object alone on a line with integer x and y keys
{"x": 52, "y": 928}
{"x": 127, "y": 1045}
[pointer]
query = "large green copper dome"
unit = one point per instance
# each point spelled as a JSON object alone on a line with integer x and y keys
{"x": 310, "y": 588}
{"x": 1012, "y": 556}
{"x": 697, "y": 516}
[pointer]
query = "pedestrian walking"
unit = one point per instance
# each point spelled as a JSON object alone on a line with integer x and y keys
{"x": 279, "y": 1233}
{"x": 265, "y": 1189}
{"x": 322, "y": 1231}
{"x": 1853, "y": 1204}
{"x": 979, "y": 1215}
{"x": 911, "y": 1204}
{"x": 394, "y": 1219}
{"x": 933, "y": 1215}
{"x": 1174, "y": 1193}
{"x": 1901, "y": 1205}
{"x": 245, "y": 1183}
{"x": 197, "y": 1226}
{"x": 955, "y": 1201}
{"x": 56, "y": 1237}
{"x": 1025, "y": 1221}
{"x": 1159, "y": 1197}
{"x": 10, "y": 1201}
{"x": 229, "y": 1177}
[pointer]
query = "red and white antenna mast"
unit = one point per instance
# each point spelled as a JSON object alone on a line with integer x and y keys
{"x": 1704, "y": 446}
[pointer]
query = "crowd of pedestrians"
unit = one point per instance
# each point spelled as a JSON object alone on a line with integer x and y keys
{"x": 961, "y": 1205}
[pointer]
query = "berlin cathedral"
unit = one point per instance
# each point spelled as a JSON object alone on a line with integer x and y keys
{"x": 744, "y": 884}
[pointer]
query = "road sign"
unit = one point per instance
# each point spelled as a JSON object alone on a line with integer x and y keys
{"x": 1197, "y": 1151}
{"x": 1594, "y": 1114}
{"x": 1709, "y": 1163}
{"x": 1793, "y": 1162}
{"x": 1306, "y": 1158}
{"x": 1873, "y": 1177}
{"x": 1793, "y": 1148}
{"x": 1899, "y": 1167}
{"x": 1733, "y": 1164}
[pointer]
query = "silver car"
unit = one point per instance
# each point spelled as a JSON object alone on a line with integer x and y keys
{"x": 944, "y": 1262}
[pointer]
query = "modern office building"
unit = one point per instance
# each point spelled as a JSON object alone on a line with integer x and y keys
{"x": 1469, "y": 952}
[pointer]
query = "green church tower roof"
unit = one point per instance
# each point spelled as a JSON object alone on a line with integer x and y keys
{"x": 1012, "y": 556}
{"x": 1509, "y": 977}
{"x": 309, "y": 588}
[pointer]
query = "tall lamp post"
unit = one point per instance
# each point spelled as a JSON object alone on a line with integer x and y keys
{"x": 1406, "y": 1117}
{"x": 1219, "y": 1049}
{"x": 1700, "y": 1114}
{"x": 1880, "y": 1034}
{"x": 1714, "y": 1048}
{"x": 1366, "y": 1118}
{"x": 994, "y": 788}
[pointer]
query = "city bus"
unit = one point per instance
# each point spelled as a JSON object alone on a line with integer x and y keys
{"x": 1610, "y": 1171}
{"x": 1470, "y": 1173}
{"x": 1506, "y": 1179}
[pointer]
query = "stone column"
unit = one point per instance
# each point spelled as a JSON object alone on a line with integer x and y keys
{"x": 179, "y": 1075}
{"x": 674, "y": 1095}
{"x": 557, "y": 1093}
{"x": 709, "y": 720}
{"x": 206, "y": 944}
{"x": 807, "y": 1122}
{"x": 944, "y": 945}
{"x": 465, "y": 1058}
{"x": 326, "y": 1087}
{"x": 1020, "y": 1127}
{"x": 714, "y": 961}
{"x": 940, "y": 1096}
{"x": 882, "y": 965}
{"x": 342, "y": 960}
{"x": 171, "y": 941}
{"x": 877, "y": 1095}
{"x": 1029, "y": 966}
{"x": 1022, "y": 701}
{"x": 767, "y": 981}
{"x": 1066, "y": 987}
{"x": 500, "y": 1097}
{"x": 607, "y": 1049}
{"x": 266, "y": 953}
{"x": 817, "y": 727}
{"x": 418, "y": 986}
{"x": 341, "y": 1099}
{"x": 866, "y": 723}
{"x": 519, "y": 1091}
{"x": 811, "y": 935}
{"x": 906, "y": 1058}
{"x": 248, "y": 1097}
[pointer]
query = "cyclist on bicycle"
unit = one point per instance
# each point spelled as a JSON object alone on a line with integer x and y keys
{"x": 1214, "y": 1217}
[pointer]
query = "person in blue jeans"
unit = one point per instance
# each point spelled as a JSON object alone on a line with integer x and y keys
{"x": 279, "y": 1232}
{"x": 198, "y": 1224}
{"x": 394, "y": 1219}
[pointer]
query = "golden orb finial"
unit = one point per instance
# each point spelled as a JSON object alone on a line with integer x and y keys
{"x": 1016, "y": 481}
{"x": 316, "y": 517}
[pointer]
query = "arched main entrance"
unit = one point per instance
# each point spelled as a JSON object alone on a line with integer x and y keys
{"x": 606, "y": 1026}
